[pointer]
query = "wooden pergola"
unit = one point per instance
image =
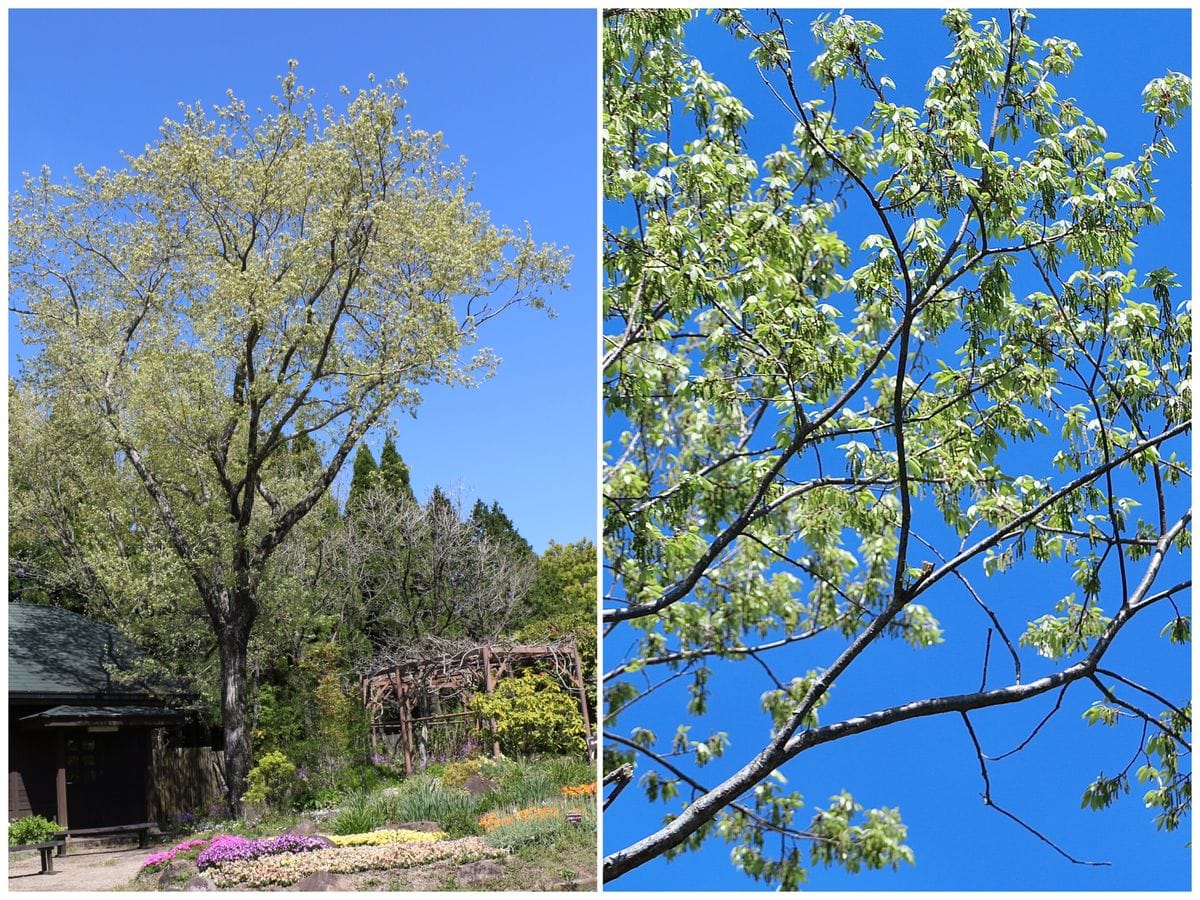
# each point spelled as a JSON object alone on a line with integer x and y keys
{"x": 407, "y": 700}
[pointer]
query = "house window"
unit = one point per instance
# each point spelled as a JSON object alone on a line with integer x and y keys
{"x": 82, "y": 767}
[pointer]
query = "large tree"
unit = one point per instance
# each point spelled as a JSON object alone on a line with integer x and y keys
{"x": 820, "y": 359}
{"x": 250, "y": 279}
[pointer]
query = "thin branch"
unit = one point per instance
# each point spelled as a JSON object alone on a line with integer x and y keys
{"x": 988, "y": 801}
{"x": 1025, "y": 743}
{"x": 1145, "y": 690}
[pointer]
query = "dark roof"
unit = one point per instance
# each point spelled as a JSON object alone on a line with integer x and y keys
{"x": 54, "y": 653}
{"x": 91, "y": 715}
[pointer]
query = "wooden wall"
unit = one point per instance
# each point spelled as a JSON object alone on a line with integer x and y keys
{"x": 187, "y": 780}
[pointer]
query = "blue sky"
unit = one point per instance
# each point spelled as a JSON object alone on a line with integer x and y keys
{"x": 513, "y": 90}
{"x": 928, "y": 768}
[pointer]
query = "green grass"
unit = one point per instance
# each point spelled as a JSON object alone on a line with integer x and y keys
{"x": 360, "y": 811}
{"x": 566, "y": 771}
{"x": 422, "y": 798}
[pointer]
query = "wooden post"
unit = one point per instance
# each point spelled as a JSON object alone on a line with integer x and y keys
{"x": 363, "y": 686}
{"x": 151, "y": 792}
{"x": 488, "y": 685}
{"x": 583, "y": 704}
{"x": 60, "y": 781}
{"x": 406, "y": 730}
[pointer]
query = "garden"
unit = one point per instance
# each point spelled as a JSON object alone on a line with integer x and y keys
{"x": 488, "y": 823}
{"x": 512, "y": 808}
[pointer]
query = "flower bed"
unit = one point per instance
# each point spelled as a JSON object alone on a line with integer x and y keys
{"x": 580, "y": 790}
{"x": 494, "y": 820}
{"x": 388, "y": 836}
{"x": 288, "y": 868}
{"x": 157, "y": 859}
{"x": 226, "y": 848}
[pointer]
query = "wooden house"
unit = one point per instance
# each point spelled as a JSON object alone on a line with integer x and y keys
{"x": 80, "y": 721}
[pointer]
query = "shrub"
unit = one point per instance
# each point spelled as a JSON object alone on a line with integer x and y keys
{"x": 272, "y": 781}
{"x": 31, "y": 830}
{"x": 319, "y": 798}
{"x": 456, "y": 774}
{"x": 533, "y": 714}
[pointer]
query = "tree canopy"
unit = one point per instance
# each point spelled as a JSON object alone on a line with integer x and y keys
{"x": 863, "y": 378}
{"x": 251, "y": 280}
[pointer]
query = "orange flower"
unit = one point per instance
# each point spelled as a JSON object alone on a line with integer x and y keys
{"x": 492, "y": 821}
{"x": 580, "y": 790}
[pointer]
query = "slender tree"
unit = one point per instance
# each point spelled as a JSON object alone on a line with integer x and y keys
{"x": 816, "y": 361}
{"x": 251, "y": 278}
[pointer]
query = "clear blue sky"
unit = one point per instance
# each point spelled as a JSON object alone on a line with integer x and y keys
{"x": 513, "y": 90}
{"x": 928, "y": 768}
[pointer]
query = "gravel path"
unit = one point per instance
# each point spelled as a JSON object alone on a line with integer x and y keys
{"x": 82, "y": 869}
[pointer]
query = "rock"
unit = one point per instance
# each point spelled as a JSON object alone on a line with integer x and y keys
{"x": 173, "y": 871}
{"x": 304, "y": 827}
{"x": 477, "y": 785}
{"x": 322, "y": 881}
{"x": 199, "y": 883}
{"x": 418, "y": 826}
{"x": 478, "y": 872}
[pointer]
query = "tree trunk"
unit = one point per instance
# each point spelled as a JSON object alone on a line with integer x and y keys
{"x": 233, "y": 638}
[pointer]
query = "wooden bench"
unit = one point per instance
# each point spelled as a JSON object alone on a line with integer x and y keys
{"x": 141, "y": 829}
{"x": 44, "y": 849}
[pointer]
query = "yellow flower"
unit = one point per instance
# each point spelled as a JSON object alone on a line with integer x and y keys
{"x": 388, "y": 836}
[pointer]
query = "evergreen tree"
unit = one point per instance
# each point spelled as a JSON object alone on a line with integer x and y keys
{"x": 366, "y": 474}
{"x": 494, "y": 524}
{"x": 393, "y": 473}
{"x": 438, "y": 500}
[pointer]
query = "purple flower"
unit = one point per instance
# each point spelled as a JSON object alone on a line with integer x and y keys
{"x": 379, "y": 759}
{"x": 230, "y": 847}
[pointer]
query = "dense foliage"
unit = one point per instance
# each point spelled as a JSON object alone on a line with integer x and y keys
{"x": 31, "y": 830}
{"x": 532, "y": 713}
{"x": 848, "y": 376}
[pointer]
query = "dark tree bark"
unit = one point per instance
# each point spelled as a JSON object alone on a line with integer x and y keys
{"x": 233, "y": 618}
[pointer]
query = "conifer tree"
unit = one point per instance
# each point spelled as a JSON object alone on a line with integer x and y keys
{"x": 494, "y": 524}
{"x": 365, "y": 477}
{"x": 393, "y": 473}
